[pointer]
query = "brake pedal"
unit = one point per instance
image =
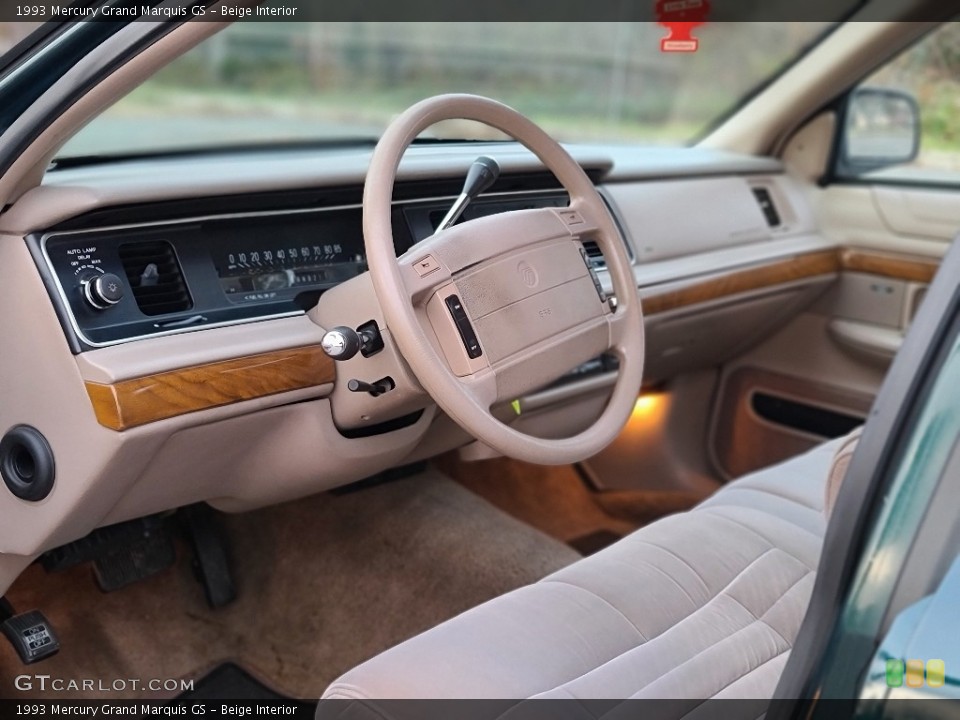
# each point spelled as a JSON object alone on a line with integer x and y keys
{"x": 146, "y": 550}
{"x": 31, "y": 635}
{"x": 151, "y": 552}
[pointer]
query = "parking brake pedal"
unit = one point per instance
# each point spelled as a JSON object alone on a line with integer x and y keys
{"x": 31, "y": 635}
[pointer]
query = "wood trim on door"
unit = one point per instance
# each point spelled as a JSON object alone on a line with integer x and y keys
{"x": 888, "y": 265}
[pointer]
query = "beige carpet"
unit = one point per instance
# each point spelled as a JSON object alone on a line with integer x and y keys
{"x": 324, "y": 583}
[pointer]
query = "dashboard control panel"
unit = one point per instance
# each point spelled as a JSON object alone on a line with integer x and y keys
{"x": 125, "y": 282}
{"x": 120, "y": 284}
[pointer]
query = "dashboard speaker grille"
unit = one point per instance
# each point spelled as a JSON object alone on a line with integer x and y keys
{"x": 156, "y": 278}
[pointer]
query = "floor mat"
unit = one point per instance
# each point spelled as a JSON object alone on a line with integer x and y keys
{"x": 229, "y": 681}
{"x": 323, "y": 584}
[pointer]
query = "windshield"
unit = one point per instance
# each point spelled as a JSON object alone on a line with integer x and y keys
{"x": 265, "y": 83}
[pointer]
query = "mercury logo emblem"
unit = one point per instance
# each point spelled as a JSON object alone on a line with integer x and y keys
{"x": 528, "y": 275}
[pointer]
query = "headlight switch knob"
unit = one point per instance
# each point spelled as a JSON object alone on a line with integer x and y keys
{"x": 102, "y": 291}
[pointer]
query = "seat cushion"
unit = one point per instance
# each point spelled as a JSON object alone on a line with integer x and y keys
{"x": 700, "y": 604}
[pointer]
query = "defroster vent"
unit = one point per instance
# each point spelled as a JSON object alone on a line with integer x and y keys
{"x": 156, "y": 278}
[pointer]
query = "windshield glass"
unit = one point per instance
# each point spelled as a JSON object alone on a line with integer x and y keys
{"x": 264, "y": 83}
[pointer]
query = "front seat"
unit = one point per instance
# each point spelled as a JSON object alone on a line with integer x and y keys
{"x": 701, "y": 604}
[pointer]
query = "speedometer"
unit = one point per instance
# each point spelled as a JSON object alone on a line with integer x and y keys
{"x": 254, "y": 265}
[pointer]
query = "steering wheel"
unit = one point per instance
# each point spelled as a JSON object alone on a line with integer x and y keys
{"x": 497, "y": 306}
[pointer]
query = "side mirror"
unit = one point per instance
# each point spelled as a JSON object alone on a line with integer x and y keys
{"x": 881, "y": 128}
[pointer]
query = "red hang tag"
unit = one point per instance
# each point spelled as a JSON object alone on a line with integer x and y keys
{"x": 681, "y": 17}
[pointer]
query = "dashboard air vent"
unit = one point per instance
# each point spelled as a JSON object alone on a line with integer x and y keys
{"x": 769, "y": 210}
{"x": 594, "y": 255}
{"x": 155, "y": 276}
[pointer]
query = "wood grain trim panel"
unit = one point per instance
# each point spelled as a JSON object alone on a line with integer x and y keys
{"x": 895, "y": 267}
{"x": 777, "y": 273}
{"x": 131, "y": 403}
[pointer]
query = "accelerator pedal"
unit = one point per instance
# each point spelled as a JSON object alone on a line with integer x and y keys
{"x": 211, "y": 557}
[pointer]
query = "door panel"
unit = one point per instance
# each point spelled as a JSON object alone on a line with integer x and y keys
{"x": 858, "y": 216}
{"x": 916, "y": 212}
{"x": 801, "y": 365}
{"x": 765, "y": 416}
{"x": 834, "y": 357}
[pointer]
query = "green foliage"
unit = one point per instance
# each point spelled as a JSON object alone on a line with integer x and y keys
{"x": 940, "y": 116}
{"x": 930, "y": 71}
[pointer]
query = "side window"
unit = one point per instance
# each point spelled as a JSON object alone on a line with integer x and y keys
{"x": 903, "y": 123}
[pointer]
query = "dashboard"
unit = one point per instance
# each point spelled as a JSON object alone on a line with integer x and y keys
{"x": 177, "y": 308}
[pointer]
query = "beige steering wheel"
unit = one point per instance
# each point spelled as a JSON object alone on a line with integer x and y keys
{"x": 520, "y": 279}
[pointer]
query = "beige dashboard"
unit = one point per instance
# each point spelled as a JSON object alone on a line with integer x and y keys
{"x": 243, "y": 415}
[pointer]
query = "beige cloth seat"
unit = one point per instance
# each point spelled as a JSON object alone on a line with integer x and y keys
{"x": 702, "y": 604}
